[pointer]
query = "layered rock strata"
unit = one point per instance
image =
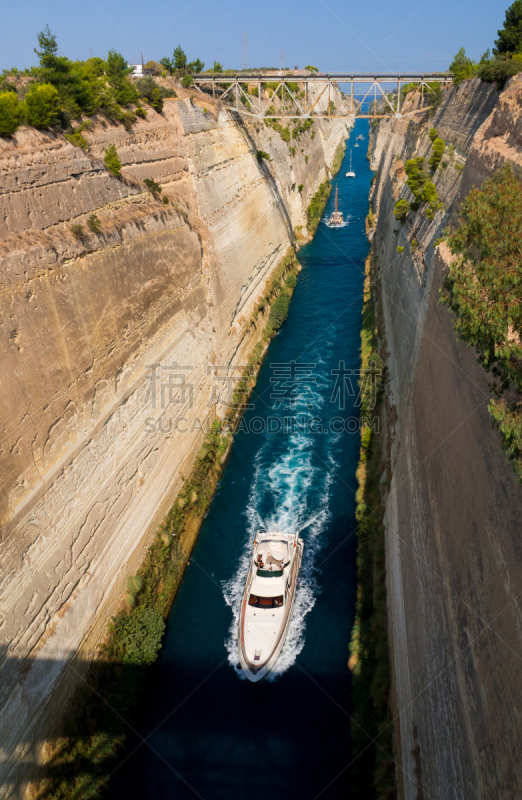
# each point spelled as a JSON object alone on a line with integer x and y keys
{"x": 98, "y": 332}
{"x": 453, "y": 509}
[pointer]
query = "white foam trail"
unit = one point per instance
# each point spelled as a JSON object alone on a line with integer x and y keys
{"x": 295, "y": 485}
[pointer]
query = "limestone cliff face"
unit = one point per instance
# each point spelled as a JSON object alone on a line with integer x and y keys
{"x": 453, "y": 509}
{"x": 88, "y": 328}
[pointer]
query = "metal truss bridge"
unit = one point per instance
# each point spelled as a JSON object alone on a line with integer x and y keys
{"x": 318, "y": 94}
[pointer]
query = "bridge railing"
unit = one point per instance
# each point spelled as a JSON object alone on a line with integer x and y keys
{"x": 316, "y": 90}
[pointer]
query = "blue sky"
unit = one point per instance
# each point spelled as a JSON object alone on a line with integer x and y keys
{"x": 333, "y": 35}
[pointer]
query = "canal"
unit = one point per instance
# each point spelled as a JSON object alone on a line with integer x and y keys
{"x": 210, "y": 733}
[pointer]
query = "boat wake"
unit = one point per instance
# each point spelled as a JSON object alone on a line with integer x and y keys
{"x": 293, "y": 486}
{"x": 337, "y": 224}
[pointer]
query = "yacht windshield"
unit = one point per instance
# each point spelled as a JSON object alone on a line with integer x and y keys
{"x": 265, "y": 602}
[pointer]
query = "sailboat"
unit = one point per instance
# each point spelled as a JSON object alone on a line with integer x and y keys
{"x": 336, "y": 218}
{"x": 350, "y": 173}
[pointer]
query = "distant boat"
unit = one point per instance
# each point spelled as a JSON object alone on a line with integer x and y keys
{"x": 356, "y": 144}
{"x": 350, "y": 173}
{"x": 360, "y": 137}
{"x": 336, "y": 218}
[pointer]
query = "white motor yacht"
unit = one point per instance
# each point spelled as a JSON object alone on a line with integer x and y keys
{"x": 266, "y": 607}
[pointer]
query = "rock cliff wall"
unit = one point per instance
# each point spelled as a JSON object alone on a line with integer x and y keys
{"x": 453, "y": 509}
{"x": 90, "y": 330}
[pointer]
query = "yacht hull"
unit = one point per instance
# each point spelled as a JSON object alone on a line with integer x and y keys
{"x": 256, "y": 671}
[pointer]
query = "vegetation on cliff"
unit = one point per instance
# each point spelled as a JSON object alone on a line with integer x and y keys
{"x": 373, "y": 765}
{"x": 59, "y": 90}
{"x": 506, "y": 59}
{"x": 317, "y": 206}
{"x": 484, "y": 290}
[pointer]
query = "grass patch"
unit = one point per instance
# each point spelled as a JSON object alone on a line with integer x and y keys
{"x": 317, "y": 206}
{"x": 338, "y": 159}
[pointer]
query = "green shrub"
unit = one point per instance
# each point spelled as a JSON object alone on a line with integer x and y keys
{"x": 77, "y": 231}
{"x": 417, "y": 176}
{"x": 187, "y": 81}
{"x": 291, "y": 281}
{"x": 153, "y": 187}
{"x": 77, "y": 140}
{"x": 261, "y": 155}
{"x": 300, "y": 188}
{"x": 93, "y": 223}
{"x": 129, "y": 118}
{"x": 439, "y": 145}
{"x": 499, "y": 71}
{"x": 434, "y": 96}
{"x": 11, "y": 112}
{"x": 433, "y": 134}
{"x": 279, "y": 311}
{"x": 139, "y": 636}
{"x": 165, "y": 200}
{"x": 135, "y": 584}
{"x": 414, "y": 245}
{"x": 401, "y": 209}
{"x": 459, "y": 167}
{"x": 400, "y": 249}
{"x": 140, "y": 112}
{"x": 112, "y": 161}
{"x": 156, "y": 101}
{"x": 429, "y": 195}
{"x": 42, "y": 105}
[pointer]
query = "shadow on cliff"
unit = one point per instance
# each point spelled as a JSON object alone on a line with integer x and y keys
{"x": 267, "y": 175}
{"x": 185, "y": 740}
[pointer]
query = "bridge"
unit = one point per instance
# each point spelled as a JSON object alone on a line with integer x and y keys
{"x": 305, "y": 102}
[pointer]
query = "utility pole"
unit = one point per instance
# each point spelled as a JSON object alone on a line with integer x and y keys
{"x": 245, "y": 50}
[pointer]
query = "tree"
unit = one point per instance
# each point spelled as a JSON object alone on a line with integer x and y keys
{"x": 187, "y": 81}
{"x": 510, "y": 37}
{"x": 167, "y": 64}
{"x": 42, "y": 105}
{"x": 439, "y": 145}
{"x": 433, "y": 134}
{"x": 112, "y": 161}
{"x": 461, "y": 66}
{"x": 154, "y": 66}
{"x": 115, "y": 67}
{"x": 180, "y": 58}
{"x": 311, "y": 69}
{"x": 218, "y": 67}
{"x": 196, "y": 66}
{"x": 156, "y": 101}
{"x": 401, "y": 209}
{"x": 11, "y": 111}
{"x": 47, "y": 42}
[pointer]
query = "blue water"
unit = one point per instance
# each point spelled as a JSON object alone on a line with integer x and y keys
{"x": 210, "y": 733}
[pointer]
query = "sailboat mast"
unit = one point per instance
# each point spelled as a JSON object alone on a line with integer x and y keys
{"x": 336, "y": 199}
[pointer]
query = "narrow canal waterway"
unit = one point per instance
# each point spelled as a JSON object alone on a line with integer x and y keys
{"x": 212, "y": 734}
